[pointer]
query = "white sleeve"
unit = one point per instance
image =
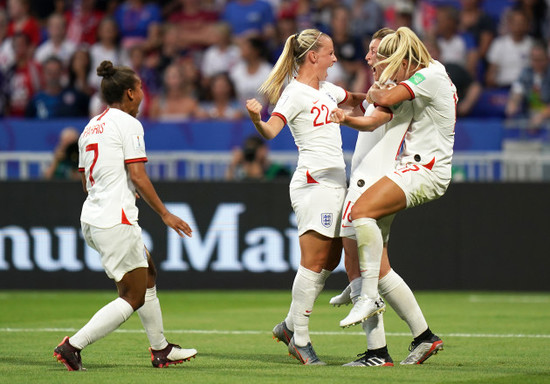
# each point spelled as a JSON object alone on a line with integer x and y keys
{"x": 423, "y": 83}
{"x": 133, "y": 144}
{"x": 288, "y": 106}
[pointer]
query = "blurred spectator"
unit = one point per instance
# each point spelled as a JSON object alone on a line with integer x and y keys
{"x": 251, "y": 70}
{"x": 530, "y": 93}
{"x": 402, "y": 14}
{"x": 509, "y": 53}
{"x": 248, "y": 17}
{"x": 222, "y": 103}
{"x": 54, "y": 100}
{"x": 222, "y": 55}
{"x": 456, "y": 48}
{"x": 150, "y": 79}
{"x": 176, "y": 101}
{"x": 251, "y": 162}
{"x": 107, "y": 47}
{"x": 23, "y": 77}
{"x": 196, "y": 24}
{"x": 65, "y": 158}
{"x": 535, "y": 11}
{"x": 80, "y": 67}
{"x": 479, "y": 24}
{"x": 367, "y": 17}
{"x": 83, "y": 19}
{"x": 139, "y": 23}
{"x": 6, "y": 47}
{"x": 57, "y": 44}
{"x": 21, "y": 21}
{"x": 170, "y": 51}
{"x": 285, "y": 27}
{"x": 348, "y": 49}
{"x": 468, "y": 88}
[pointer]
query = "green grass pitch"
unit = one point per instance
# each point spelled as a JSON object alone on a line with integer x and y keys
{"x": 489, "y": 338}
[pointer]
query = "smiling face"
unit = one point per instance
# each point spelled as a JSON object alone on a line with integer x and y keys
{"x": 372, "y": 58}
{"x": 324, "y": 57}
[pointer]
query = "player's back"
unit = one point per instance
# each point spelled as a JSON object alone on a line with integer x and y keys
{"x": 103, "y": 151}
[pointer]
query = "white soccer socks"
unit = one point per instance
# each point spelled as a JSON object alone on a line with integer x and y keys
{"x": 370, "y": 246}
{"x": 400, "y": 297}
{"x": 374, "y": 330}
{"x": 150, "y": 315}
{"x": 105, "y": 321}
{"x": 307, "y": 286}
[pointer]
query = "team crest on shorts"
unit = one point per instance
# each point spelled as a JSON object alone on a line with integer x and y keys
{"x": 326, "y": 219}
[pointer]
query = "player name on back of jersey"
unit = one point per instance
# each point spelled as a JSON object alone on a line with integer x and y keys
{"x": 94, "y": 129}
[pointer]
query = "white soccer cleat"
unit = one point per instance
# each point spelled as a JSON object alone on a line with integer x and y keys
{"x": 362, "y": 310}
{"x": 343, "y": 298}
{"x": 172, "y": 354}
{"x": 422, "y": 350}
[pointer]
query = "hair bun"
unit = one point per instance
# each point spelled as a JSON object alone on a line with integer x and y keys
{"x": 106, "y": 69}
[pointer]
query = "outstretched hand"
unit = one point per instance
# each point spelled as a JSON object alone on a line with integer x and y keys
{"x": 177, "y": 224}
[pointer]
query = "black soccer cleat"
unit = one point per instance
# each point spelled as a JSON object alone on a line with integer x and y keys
{"x": 68, "y": 355}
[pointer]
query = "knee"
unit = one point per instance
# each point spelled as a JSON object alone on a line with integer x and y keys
{"x": 136, "y": 300}
{"x": 358, "y": 211}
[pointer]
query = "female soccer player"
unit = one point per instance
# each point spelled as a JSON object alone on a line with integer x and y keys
{"x": 375, "y": 154}
{"x": 318, "y": 186}
{"x": 422, "y": 173}
{"x": 112, "y": 161}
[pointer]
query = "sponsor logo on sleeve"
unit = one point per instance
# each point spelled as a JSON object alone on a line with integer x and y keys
{"x": 417, "y": 78}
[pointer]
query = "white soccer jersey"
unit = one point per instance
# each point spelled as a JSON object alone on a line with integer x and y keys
{"x": 376, "y": 152}
{"x": 306, "y": 110}
{"x": 109, "y": 142}
{"x": 429, "y": 141}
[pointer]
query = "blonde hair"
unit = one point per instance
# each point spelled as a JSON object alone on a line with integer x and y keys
{"x": 381, "y": 33}
{"x": 404, "y": 44}
{"x": 292, "y": 57}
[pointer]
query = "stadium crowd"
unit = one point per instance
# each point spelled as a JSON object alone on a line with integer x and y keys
{"x": 202, "y": 59}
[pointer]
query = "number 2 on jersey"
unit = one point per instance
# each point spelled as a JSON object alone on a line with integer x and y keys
{"x": 319, "y": 111}
{"x": 92, "y": 147}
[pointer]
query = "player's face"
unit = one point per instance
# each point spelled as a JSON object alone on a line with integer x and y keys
{"x": 325, "y": 55}
{"x": 371, "y": 58}
{"x": 138, "y": 97}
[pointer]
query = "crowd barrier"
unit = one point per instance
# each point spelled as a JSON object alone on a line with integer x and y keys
{"x": 477, "y": 237}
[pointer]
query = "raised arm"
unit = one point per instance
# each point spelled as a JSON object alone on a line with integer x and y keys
{"x": 388, "y": 96}
{"x": 354, "y": 99}
{"x": 380, "y": 116}
{"x": 269, "y": 129}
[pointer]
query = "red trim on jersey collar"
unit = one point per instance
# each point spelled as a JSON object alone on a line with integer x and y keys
{"x": 140, "y": 160}
{"x": 279, "y": 116}
{"x": 310, "y": 180}
{"x": 103, "y": 114}
{"x": 408, "y": 89}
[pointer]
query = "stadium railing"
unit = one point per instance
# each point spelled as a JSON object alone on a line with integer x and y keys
{"x": 474, "y": 166}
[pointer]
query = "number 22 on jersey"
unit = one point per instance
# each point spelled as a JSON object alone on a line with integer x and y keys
{"x": 321, "y": 115}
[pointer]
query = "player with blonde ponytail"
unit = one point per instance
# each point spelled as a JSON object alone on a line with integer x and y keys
{"x": 422, "y": 171}
{"x": 318, "y": 185}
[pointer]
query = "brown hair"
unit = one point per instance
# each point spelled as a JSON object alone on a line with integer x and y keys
{"x": 116, "y": 80}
